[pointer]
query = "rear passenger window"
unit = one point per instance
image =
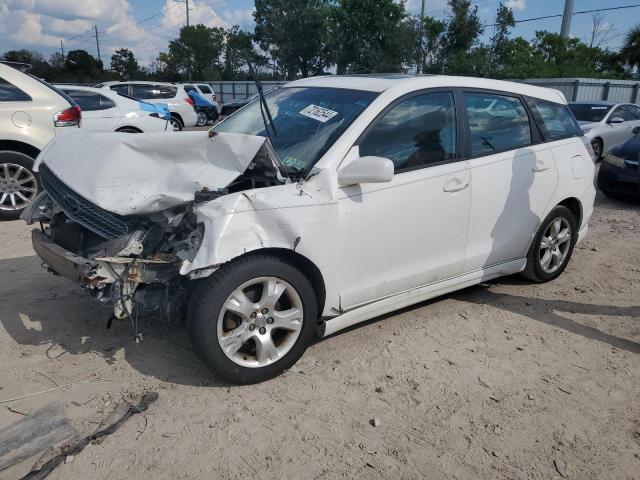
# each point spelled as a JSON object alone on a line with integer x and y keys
{"x": 10, "y": 93}
{"x": 415, "y": 133}
{"x": 90, "y": 101}
{"x": 555, "y": 119}
{"x": 120, "y": 88}
{"x": 204, "y": 89}
{"x": 143, "y": 92}
{"x": 496, "y": 123}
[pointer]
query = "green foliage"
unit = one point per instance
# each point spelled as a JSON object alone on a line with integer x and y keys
{"x": 372, "y": 36}
{"x": 295, "y": 33}
{"x": 630, "y": 52}
{"x": 40, "y": 67}
{"x": 83, "y": 66}
{"x": 124, "y": 64}
{"x": 196, "y": 53}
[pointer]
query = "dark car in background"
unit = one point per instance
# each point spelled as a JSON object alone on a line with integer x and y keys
{"x": 619, "y": 175}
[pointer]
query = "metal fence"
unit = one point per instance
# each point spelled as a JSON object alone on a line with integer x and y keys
{"x": 575, "y": 89}
{"x": 230, "y": 91}
{"x": 590, "y": 89}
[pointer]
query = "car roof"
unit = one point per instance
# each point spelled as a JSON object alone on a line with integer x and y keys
{"x": 145, "y": 82}
{"x": 594, "y": 102}
{"x": 382, "y": 82}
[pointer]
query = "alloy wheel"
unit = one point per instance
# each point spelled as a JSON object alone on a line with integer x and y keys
{"x": 554, "y": 245}
{"x": 260, "y": 322}
{"x": 175, "y": 124}
{"x": 18, "y": 186}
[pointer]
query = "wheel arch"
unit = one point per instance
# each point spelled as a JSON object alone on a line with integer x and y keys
{"x": 302, "y": 263}
{"x": 17, "y": 146}
{"x": 178, "y": 117}
{"x": 126, "y": 128}
{"x": 574, "y": 205}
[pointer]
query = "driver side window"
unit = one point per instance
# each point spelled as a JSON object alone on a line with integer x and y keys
{"x": 416, "y": 133}
{"x": 622, "y": 113}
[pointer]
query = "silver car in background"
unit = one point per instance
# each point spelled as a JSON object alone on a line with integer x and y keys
{"x": 606, "y": 124}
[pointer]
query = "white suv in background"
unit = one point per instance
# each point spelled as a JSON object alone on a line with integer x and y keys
{"x": 106, "y": 110}
{"x": 31, "y": 113}
{"x": 174, "y": 95}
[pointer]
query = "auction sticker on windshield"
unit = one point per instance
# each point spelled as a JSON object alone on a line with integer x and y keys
{"x": 320, "y": 114}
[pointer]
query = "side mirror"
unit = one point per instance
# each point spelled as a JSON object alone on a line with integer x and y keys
{"x": 616, "y": 120}
{"x": 636, "y": 131}
{"x": 366, "y": 170}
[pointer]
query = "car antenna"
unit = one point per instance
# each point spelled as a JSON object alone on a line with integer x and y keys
{"x": 263, "y": 101}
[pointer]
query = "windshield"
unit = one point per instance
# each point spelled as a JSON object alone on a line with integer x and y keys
{"x": 308, "y": 121}
{"x": 585, "y": 112}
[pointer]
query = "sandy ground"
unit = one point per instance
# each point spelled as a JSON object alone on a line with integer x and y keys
{"x": 505, "y": 380}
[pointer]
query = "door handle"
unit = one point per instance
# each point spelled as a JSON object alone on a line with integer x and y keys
{"x": 540, "y": 167}
{"x": 456, "y": 185}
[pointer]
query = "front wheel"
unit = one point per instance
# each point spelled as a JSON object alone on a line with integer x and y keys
{"x": 252, "y": 319}
{"x": 552, "y": 246}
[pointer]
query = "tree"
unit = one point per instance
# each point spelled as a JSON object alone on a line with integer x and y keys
{"x": 463, "y": 28}
{"x": 39, "y": 66}
{"x": 432, "y": 44}
{"x": 499, "y": 41}
{"x": 124, "y": 63}
{"x": 601, "y": 31}
{"x": 295, "y": 33}
{"x": 630, "y": 52}
{"x": 239, "y": 46}
{"x": 83, "y": 66}
{"x": 196, "y": 53}
{"x": 372, "y": 36}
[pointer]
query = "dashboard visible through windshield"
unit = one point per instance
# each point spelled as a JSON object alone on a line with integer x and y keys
{"x": 307, "y": 120}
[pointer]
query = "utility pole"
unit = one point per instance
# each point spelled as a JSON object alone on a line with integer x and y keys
{"x": 61, "y": 48}
{"x": 95, "y": 27}
{"x": 419, "y": 65}
{"x": 187, "y": 3}
{"x": 566, "y": 18}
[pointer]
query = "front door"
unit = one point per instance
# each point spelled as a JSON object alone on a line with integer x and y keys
{"x": 411, "y": 231}
{"x": 513, "y": 179}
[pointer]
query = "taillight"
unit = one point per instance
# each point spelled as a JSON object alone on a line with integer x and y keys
{"x": 214, "y": 97}
{"x": 190, "y": 101}
{"x": 69, "y": 117}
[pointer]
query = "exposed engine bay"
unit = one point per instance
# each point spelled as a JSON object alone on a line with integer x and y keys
{"x": 132, "y": 261}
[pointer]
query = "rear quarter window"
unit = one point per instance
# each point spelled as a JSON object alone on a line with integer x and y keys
{"x": 554, "y": 119}
{"x": 10, "y": 93}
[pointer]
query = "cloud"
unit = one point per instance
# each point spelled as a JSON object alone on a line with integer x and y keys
{"x": 515, "y": 4}
{"x": 42, "y": 24}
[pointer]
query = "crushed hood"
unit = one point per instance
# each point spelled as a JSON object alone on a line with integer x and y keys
{"x": 144, "y": 173}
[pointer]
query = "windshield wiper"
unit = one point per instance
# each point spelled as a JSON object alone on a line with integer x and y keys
{"x": 263, "y": 102}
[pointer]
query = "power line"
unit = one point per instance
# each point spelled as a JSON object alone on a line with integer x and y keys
{"x": 574, "y": 13}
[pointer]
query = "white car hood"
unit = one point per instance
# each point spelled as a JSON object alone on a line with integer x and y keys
{"x": 148, "y": 172}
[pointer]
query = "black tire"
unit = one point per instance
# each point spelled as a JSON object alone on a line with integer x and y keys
{"x": 175, "y": 123}
{"x": 208, "y": 299}
{"x": 597, "y": 146}
{"x": 534, "y": 270}
{"x": 128, "y": 130}
{"x": 202, "y": 118}
{"x": 8, "y": 157}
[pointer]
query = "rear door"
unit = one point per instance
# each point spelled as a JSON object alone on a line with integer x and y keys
{"x": 513, "y": 177}
{"x": 98, "y": 111}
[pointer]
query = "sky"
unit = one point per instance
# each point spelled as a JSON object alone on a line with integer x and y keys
{"x": 146, "y": 26}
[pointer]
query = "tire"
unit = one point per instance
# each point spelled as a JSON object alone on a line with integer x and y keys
{"x": 202, "y": 118}
{"x": 17, "y": 180}
{"x": 175, "y": 123}
{"x": 128, "y": 130}
{"x": 536, "y": 269}
{"x": 213, "y": 317}
{"x": 597, "y": 146}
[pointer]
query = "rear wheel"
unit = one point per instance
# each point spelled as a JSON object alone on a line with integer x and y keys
{"x": 253, "y": 318}
{"x": 18, "y": 183}
{"x": 202, "y": 118}
{"x": 175, "y": 123}
{"x": 552, "y": 246}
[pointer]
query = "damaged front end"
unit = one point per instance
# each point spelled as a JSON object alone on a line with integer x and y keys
{"x": 128, "y": 250}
